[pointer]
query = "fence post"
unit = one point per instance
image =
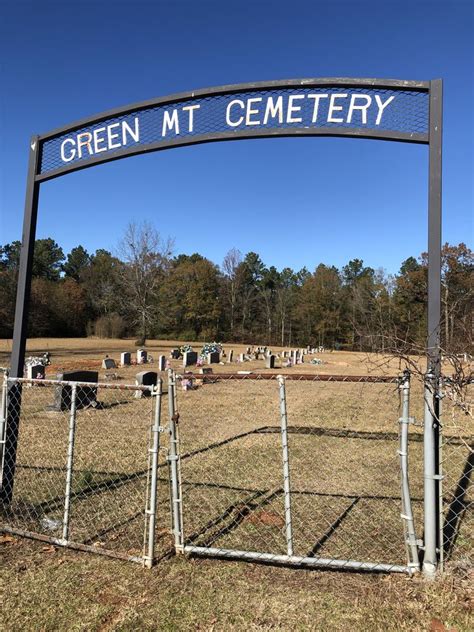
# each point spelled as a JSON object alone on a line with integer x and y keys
{"x": 173, "y": 458}
{"x": 407, "y": 515}
{"x": 439, "y": 397}
{"x": 149, "y": 554}
{"x": 70, "y": 462}
{"x": 286, "y": 465}
{"x": 431, "y": 503}
{"x": 3, "y": 422}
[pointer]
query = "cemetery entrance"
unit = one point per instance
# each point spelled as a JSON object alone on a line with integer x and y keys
{"x": 378, "y": 109}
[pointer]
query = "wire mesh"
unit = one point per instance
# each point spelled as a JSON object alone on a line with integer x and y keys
{"x": 83, "y": 474}
{"x": 343, "y": 479}
{"x": 457, "y": 464}
{"x": 299, "y": 107}
{"x": 315, "y": 481}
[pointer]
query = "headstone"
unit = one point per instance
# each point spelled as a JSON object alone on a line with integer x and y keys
{"x": 142, "y": 356}
{"x": 125, "y": 358}
{"x": 86, "y": 395}
{"x": 213, "y": 357}
{"x": 230, "y": 357}
{"x": 108, "y": 363}
{"x": 162, "y": 363}
{"x": 270, "y": 362}
{"x": 35, "y": 372}
{"x": 145, "y": 378}
{"x": 189, "y": 358}
{"x": 206, "y": 370}
{"x": 175, "y": 354}
{"x": 187, "y": 384}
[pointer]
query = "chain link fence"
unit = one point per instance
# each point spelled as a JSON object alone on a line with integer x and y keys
{"x": 307, "y": 470}
{"x": 87, "y": 466}
{"x": 457, "y": 465}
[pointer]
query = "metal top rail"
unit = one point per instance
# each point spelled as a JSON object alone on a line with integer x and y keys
{"x": 118, "y": 387}
{"x": 390, "y": 379}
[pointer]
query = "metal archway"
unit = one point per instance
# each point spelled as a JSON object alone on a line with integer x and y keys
{"x": 379, "y": 109}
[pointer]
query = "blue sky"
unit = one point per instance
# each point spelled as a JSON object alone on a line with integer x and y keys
{"x": 296, "y": 202}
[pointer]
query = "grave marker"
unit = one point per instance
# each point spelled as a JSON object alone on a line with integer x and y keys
{"x": 189, "y": 358}
{"x": 270, "y": 362}
{"x": 35, "y": 372}
{"x": 86, "y": 395}
{"x": 145, "y": 378}
{"x": 213, "y": 357}
{"x": 142, "y": 356}
{"x": 125, "y": 358}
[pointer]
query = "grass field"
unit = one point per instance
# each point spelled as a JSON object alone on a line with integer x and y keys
{"x": 343, "y": 441}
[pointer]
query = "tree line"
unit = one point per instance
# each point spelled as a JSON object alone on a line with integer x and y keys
{"x": 145, "y": 291}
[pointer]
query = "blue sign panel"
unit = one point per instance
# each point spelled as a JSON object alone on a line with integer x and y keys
{"x": 367, "y": 111}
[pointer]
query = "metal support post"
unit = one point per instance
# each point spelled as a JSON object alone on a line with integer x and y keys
{"x": 3, "y": 423}
{"x": 149, "y": 554}
{"x": 70, "y": 463}
{"x": 173, "y": 458}
{"x": 430, "y": 558}
{"x": 407, "y": 512}
{"x": 434, "y": 298}
{"x": 440, "y": 541}
{"x": 286, "y": 465}
{"x": 21, "y": 322}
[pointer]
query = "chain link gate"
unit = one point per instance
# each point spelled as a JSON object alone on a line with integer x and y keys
{"x": 330, "y": 491}
{"x": 88, "y": 466}
{"x": 304, "y": 470}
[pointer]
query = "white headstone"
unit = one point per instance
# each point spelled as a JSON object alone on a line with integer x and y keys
{"x": 189, "y": 358}
{"x": 213, "y": 357}
{"x": 35, "y": 372}
{"x": 108, "y": 363}
{"x": 141, "y": 356}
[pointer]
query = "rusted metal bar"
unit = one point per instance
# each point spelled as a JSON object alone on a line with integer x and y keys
{"x": 117, "y": 387}
{"x": 387, "y": 379}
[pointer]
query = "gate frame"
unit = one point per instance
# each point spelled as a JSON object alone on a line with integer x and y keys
{"x": 433, "y": 139}
{"x": 147, "y": 557}
{"x": 290, "y": 559}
